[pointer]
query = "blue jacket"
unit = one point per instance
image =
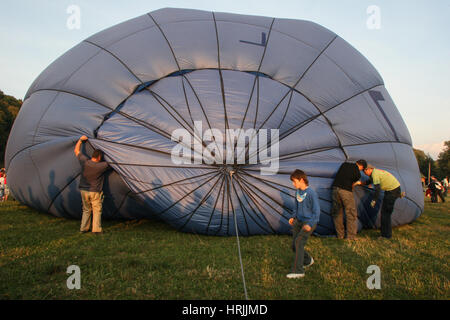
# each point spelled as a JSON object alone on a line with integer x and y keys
{"x": 307, "y": 206}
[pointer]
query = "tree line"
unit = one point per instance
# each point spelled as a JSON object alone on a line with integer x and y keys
{"x": 439, "y": 168}
{"x": 9, "y": 108}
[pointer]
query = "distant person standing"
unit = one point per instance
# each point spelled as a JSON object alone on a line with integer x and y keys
{"x": 6, "y": 189}
{"x": 424, "y": 185}
{"x": 346, "y": 178}
{"x": 445, "y": 185}
{"x": 433, "y": 187}
{"x": 91, "y": 187}
{"x": 2, "y": 187}
{"x": 436, "y": 190}
{"x": 383, "y": 180}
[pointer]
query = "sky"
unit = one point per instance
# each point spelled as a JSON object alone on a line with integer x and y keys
{"x": 410, "y": 46}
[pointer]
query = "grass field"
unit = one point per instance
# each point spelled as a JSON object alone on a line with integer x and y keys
{"x": 149, "y": 260}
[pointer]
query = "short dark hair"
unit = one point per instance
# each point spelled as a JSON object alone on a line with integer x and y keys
{"x": 298, "y": 175}
{"x": 97, "y": 153}
{"x": 362, "y": 163}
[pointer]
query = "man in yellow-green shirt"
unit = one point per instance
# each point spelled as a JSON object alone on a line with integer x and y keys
{"x": 383, "y": 180}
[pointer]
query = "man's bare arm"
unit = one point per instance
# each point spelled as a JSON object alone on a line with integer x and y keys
{"x": 78, "y": 145}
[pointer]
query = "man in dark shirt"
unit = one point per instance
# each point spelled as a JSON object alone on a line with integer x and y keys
{"x": 436, "y": 190}
{"x": 346, "y": 178}
{"x": 91, "y": 187}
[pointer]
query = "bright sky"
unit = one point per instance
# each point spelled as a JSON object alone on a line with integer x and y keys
{"x": 411, "y": 50}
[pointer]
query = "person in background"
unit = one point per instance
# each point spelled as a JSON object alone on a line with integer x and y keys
{"x": 346, "y": 178}
{"x": 432, "y": 186}
{"x": 304, "y": 222}
{"x": 2, "y": 187}
{"x": 424, "y": 184}
{"x": 383, "y": 180}
{"x": 436, "y": 190}
{"x": 445, "y": 185}
{"x": 6, "y": 189}
{"x": 91, "y": 187}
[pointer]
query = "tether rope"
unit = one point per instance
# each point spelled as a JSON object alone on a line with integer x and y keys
{"x": 239, "y": 246}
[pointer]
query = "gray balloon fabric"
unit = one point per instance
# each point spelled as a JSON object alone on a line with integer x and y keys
{"x": 130, "y": 87}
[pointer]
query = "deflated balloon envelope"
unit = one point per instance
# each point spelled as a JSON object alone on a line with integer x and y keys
{"x": 129, "y": 87}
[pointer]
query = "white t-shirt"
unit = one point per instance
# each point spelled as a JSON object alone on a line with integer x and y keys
{"x": 2, "y": 183}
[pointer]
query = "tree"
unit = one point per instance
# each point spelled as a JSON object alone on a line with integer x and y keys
{"x": 9, "y": 108}
{"x": 425, "y": 161}
{"x": 444, "y": 160}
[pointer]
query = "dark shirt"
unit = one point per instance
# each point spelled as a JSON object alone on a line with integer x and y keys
{"x": 347, "y": 174}
{"x": 434, "y": 186}
{"x": 91, "y": 174}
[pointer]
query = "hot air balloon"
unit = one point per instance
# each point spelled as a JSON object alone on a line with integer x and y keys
{"x": 162, "y": 94}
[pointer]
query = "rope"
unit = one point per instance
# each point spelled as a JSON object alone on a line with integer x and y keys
{"x": 239, "y": 246}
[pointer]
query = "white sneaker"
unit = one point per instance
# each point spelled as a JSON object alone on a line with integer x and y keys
{"x": 295, "y": 275}
{"x": 310, "y": 264}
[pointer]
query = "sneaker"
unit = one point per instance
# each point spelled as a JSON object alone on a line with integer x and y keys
{"x": 295, "y": 275}
{"x": 310, "y": 264}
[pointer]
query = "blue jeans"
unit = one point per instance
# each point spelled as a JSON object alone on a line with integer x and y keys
{"x": 299, "y": 239}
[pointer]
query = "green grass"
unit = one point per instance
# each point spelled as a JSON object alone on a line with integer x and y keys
{"x": 149, "y": 260}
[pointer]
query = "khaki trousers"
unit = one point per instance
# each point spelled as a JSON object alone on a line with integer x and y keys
{"x": 343, "y": 199}
{"x": 92, "y": 211}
